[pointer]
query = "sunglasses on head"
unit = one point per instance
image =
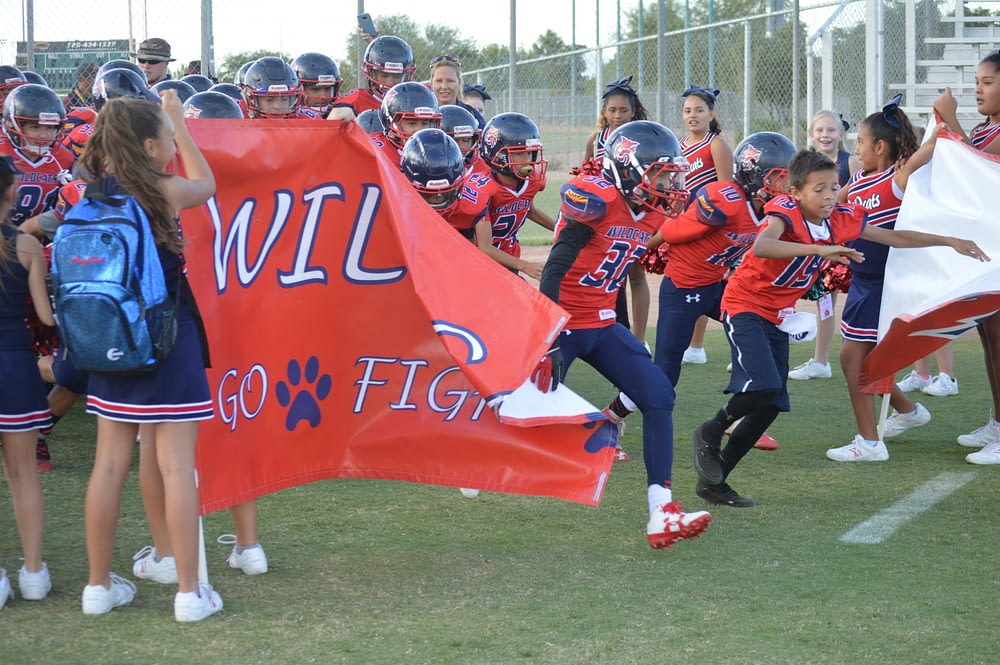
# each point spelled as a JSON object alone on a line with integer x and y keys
{"x": 445, "y": 58}
{"x": 143, "y": 61}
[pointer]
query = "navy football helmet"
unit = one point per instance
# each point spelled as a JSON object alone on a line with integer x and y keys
{"x": 462, "y": 126}
{"x": 370, "y": 121}
{"x": 34, "y": 103}
{"x": 319, "y": 74}
{"x": 241, "y": 73}
{"x": 760, "y": 165}
{"x": 120, "y": 64}
{"x": 10, "y": 78}
{"x": 121, "y": 83}
{"x": 434, "y": 165}
{"x": 229, "y": 90}
{"x": 212, "y": 104}
{"x": 271, "y": 77}
{"x": 184, "y": 90}
{"x": 645, "y": 162}
{"x": 512, "y": 145}
{"x": 407, "y": 102}
{"x": 35, "y": 77}
{"x": 199, "y": 82}
{"x": 387, "y": 55}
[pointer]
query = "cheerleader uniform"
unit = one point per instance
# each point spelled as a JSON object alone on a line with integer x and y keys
{"x": 699, "y": 156}
{"x": 23, "y": 404}
{"x": 177, "y": 390}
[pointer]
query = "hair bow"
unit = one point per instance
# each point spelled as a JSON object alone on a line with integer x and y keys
{"x": 710, "y": 95}
{"x": 477, "y": 88}
{"x": 890, "y": 108}
{"x": 621, "y": 85}
{"x": 846, "y": 125}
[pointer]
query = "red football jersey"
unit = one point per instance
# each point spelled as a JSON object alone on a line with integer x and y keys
{"x": 472, "y": 204}
{"x": 699, "y": 156}
{"x": 708, "y": 238}
{"x": 361, "y": 99}
{"x": 39, "y": 179}
{"x": 589, "y": 289}
{"x": 508, "y": 211}
{"x": 383, "y": 146}
{"x": 878, "y": 194}
{"x": 767, "y": 287}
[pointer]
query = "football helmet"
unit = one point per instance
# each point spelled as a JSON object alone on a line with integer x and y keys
{"x": 434, "y": 165}
{"x": 760, "y": 165}
{"x": 33, "y": 103}
{"x": 184, "y": 90}
{"x": 120, "y": 64}
{"x": 199, "y": 82}
{"x": 370, "y": 121}
{"x": 645, "y": 162}
{"x": 34, "y": 77}
{"x": 459, "y": 124}
{"x": 404, "y": 102}
{"x": 271, "y": 77}
{"x": 121, "y": 83}
{"x": 511, "y": 145}
{"x": 228, "y": 89}
{"x": 10, "y": 78}
{"x": 212, "y": 104}
{"x": 387, "y": 55}
{"x": 316, "y": 70}
{"x": 241, "y": 73}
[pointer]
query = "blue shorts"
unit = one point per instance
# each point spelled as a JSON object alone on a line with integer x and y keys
{"x": 176, "y": 391}
{"x": 24, "y": 405}
{"x": 680, "y": 310}
{"x": 67, "y": 375}
{"x": 760, "y": 356}
{"x": 859, "y": 322}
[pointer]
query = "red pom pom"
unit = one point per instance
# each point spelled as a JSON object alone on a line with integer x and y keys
{"x": 837, "y": 277}
{"x": 655, "y": 261}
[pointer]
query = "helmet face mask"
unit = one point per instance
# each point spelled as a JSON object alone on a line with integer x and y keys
{"x": 645, "y": 162}
{"x": 760, "y": 165}
{"x": 33, "y": 117}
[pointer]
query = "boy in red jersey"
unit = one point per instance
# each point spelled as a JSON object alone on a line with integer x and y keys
{"x": 604, "y": 226}
{"x": 803, "y": 229}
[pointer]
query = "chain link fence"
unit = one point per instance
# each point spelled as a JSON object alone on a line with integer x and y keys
{"x": 852, "y": 55}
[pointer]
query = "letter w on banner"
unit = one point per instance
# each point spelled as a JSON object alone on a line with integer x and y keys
{"x": 932, "y": 295}
{"x": 353, "y": 333}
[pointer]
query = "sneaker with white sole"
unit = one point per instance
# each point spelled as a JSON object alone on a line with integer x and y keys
{"x": 913, "y": 382}
{"x": 469, "y": 493}
{"x": 147, "y": 566}
{"x": 990, "y": 454}
{"x": 943, "y": 385}
{"x": 34, "y": 586}
{"x": 859, "y": 451}
{"x": 5, "y": 590}
{"x": 252, "y": 560}
{"x": 99, "y": 599}
{"x": 981, "y": 436}
{"x": 900, "y": 422}
{"x": 197, "y": 605}
{"x": 694, "y": 356}
{"x": 668, "y": 524}
{"x": 810, "y": 369}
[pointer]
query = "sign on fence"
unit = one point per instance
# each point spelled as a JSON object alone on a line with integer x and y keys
{"x": 56, "y": 62}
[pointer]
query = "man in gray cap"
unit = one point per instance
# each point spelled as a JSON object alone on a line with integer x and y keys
{"x": 153, "y": 56}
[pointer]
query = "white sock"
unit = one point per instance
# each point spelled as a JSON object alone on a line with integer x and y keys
{"x": 629, "y": 404}
{"x": 658, "y": 496}
{"x": 873, "y": 444}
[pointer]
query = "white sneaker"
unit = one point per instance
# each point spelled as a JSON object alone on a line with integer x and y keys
{"x": 900, "y": 422}
{"x": 97, "y": 599}
{"x": 694, "y": 356}
{"x": 469, "y": 493}
{"x": 912, "y": 382}
{"x": 668, "y": 524}
{"x": 252, "y": 560}
{"x": 34, "y": 586}
{"x": 729, "y": 368}
{"x": 859, "y": 451}
{"x": 810, "y": 369}
{"x": 942, "y": 385}
{"x": 195, "y": 606}
{"x": 990, "y": 454}
{"x": 981, "y": 436}
{"x": 5, "y": 590}
{"x": 147, "y": 567}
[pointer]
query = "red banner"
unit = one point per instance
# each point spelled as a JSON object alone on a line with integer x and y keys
{"x": 353, "y": 333}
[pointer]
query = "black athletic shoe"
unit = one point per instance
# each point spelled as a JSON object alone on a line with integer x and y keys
{"x": 722, "y": 495}
{"x": 707, "y": 458}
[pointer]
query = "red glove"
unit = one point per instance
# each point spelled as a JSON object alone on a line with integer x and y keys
{"x": 549, "y": 372}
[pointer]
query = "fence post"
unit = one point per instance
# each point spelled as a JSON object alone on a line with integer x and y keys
{"x": 661, "y": 59}
{"x": 747, "y": 78}
{"x": 512, "y": 71}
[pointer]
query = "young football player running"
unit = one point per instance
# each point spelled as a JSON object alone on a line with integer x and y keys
{"x": 604, "y": 225}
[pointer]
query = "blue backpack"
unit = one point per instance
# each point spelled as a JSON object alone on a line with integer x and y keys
{"x": 110, "y": 298}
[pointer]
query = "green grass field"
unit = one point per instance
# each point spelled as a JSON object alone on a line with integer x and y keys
{"x": 384, "y": 572}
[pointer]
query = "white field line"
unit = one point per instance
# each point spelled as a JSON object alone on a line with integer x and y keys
{"x": 879, "y": 527}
